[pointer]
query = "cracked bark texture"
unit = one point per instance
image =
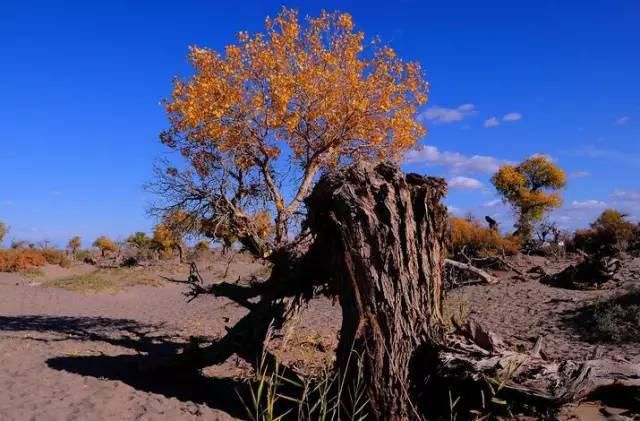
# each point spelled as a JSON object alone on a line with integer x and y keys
{"x": 383, "y": 233}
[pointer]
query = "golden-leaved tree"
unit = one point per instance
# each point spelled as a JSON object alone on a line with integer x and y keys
{"x": 74, "y": 245}
{"x": 532, "y": 189}
{"x": 105, "y": 244}
{"x": 259, "y": 121}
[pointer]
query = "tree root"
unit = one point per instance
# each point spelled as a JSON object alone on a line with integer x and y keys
{"x": 474, "y": 356}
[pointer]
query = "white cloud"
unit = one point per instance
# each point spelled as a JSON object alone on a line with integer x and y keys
{"x": 512, "y": 116}
{"x": 588, "y": 204}
{"x": 465, "y": 183}
{"x": 597, "y": 152}
{"x": 627, "y": 196}
{"x": 455, "y": 210}
{"x": 622, "y": 120}
{"x": 491, "y": 122}
{"x": 543, "y": 155}
{"x": 443, "y": 115}
{"x": 454, "y": 161}
{"x": 579, "y": 174}
{"x": 492, "y": 203}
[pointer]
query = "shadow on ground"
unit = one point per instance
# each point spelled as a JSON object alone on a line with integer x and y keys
{"x": 216, "y": 393}
{"x": 614, "y": 321}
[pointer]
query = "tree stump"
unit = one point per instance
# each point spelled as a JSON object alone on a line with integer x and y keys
{"x": 383, "y": 233}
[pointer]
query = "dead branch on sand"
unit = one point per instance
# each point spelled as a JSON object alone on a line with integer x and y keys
{"x": 472, "y": 355}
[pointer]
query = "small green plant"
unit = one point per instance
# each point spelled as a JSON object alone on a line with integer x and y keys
{"x": 328, "y": 396}
{"x": 496, "y": 386}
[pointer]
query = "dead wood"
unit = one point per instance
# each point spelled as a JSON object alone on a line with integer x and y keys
{"x": 474, "y": 357}
{"x": 592, "y": 272}
{"x": 469, "y": 268}
{"x": 384, "y": 236}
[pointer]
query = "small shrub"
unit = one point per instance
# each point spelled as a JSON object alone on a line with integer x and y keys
{"x": 202, "y": 245}
{"x": 469, "y": 237}
{"x": 20, "y": 260}
{"x": 56, "y": 257}
{"x": 82, "y": 255}
{"x": 611, "y": 232}
{"x": 613, "y": 321}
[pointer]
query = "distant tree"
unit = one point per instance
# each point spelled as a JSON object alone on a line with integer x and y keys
{"x": 219, "y": 231}
{"x": 544, "y": 229}
{"x": 3, "y": 231}
{"x": 74, "y": 245}
{"x": 20, "y": 244}
{"x": 273, "y": 111}
{"x": 261, "y": 223}
{"x": 202, "y": 245}
{"x": 105, "y": 244}
{"x": 531, "y": 188}
{"x": 139, "y": 240}
{"x": 171, "y": 232}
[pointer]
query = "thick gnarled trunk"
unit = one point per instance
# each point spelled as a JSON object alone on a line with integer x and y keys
{"x": 384, "y": 233}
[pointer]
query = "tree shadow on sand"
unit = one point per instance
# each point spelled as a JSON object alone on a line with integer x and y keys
{"x": 190, "y": 385}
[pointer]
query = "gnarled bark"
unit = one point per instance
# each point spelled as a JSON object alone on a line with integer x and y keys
{"x": 384, "y": 236}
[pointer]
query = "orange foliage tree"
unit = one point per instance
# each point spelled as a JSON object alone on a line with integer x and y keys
{"x": 259, "y": 121}
{"x": 104, "y": 244}
{"x": 169, "y": 234}
{"x": 531, "y": 188}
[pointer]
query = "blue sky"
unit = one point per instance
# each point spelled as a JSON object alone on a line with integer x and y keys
{"x": 81, "y": 84}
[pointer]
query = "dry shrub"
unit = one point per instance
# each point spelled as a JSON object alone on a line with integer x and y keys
{"x": 469, "y": 237}
{"x": 20, "y": 260}
{"x": 56, "y": 257}
{"x": 611, "y": 232}
{"x": 616, "y": 320}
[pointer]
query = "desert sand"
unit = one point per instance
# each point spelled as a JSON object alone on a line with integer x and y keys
{"x": 73, "y": 355}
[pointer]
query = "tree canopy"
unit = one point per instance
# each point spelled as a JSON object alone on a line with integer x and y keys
{"x": 258, "y": 122}
{"x": 531, "y": 188}
{"x": 105, "y": 244}
{"x": 74, "y": 244}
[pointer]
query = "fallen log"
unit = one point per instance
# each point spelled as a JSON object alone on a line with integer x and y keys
{"x": 469, "y": 268}
{"x": 593, "y": 272}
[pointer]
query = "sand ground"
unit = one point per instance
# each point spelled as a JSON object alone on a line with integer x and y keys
{"x": 69, "y": 355}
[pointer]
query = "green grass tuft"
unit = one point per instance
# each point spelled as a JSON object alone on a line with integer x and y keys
{"x": 90, "y": 282}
